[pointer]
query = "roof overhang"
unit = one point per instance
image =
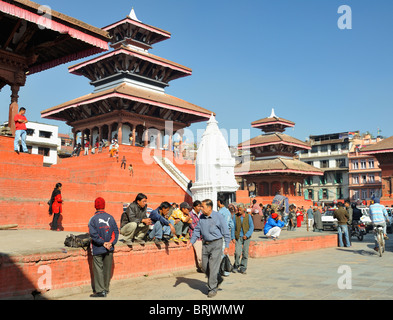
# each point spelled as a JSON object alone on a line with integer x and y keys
{"x": 283, "y": 171}
{"x": 83, "y": 39}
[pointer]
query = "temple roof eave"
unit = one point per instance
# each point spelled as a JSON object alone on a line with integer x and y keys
{"x": 134, "y": 94}
{"x": 277, "y": 165}
{"x": 75, "y": 69}
{"x": 273, "y": 139}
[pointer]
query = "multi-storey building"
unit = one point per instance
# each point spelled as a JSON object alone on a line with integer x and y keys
{"x": 365, "y": 180}
{"x": 329, "y": 152}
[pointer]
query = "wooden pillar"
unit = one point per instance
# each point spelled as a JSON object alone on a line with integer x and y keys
{"x": 146, "y": 138}
{"x": 119, "y": 133}
{"x": 13, "y": 109}
{"x": 133, "y": 135}
{"x": 158, "y": 140}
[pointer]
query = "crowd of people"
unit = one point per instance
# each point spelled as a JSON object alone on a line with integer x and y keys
{"x": 207, "y": 231}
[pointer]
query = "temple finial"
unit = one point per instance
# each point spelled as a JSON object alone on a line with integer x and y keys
{"x": 132, "y": 15}
{"x": 273, "y": 115}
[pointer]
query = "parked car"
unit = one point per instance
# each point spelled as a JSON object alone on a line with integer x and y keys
{"x": 328, "y": 222}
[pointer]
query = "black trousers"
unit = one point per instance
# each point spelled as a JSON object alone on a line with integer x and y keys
{"x": 54, "y": 221}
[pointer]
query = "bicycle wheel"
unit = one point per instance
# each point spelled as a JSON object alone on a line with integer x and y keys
{"x": 380, "y": 244}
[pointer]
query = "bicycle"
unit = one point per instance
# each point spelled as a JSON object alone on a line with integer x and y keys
{"x": 380, "y": 239}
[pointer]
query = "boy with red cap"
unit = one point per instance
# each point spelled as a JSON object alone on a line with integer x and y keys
{"x": 104, "y": 234}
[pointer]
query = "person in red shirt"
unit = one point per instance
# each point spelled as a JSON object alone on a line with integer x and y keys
{"x": 56, "y": 203}
{"x": 20, "y": 130}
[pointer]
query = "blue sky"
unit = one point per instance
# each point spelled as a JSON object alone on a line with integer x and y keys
{"x": 251, "y": 56}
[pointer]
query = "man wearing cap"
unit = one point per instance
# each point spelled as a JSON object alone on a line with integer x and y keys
{"x": 378, "y": 216}
{"x": 104, "y": 234}
{"x": 273, "y": 226}
{"x": 181, "y": 219}
{"x": 213, "y": 229}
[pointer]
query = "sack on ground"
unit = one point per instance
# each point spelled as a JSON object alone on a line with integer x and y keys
{"x": 79, "y": 241}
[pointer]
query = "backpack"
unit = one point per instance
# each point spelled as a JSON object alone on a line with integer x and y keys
{"x": 79, "y": 241}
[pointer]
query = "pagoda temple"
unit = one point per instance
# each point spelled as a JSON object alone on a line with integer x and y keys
{"x": 129, "y": 100}
{"x": 272, "y": 166}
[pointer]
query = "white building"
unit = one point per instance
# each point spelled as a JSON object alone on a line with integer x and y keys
{"x": 329, "y": 152}
{"x": 43, "y": 139}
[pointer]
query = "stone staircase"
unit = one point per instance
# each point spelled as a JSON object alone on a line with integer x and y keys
{"x": 26, "y": 185}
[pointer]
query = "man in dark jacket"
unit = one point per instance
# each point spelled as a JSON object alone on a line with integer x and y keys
{"x": 342, "y": 216}
{"x": 134, "y": 223}
{"x": 104, "y": 234}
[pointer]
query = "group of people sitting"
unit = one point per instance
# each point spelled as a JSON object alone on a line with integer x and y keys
{"x": 97, "y": 147}
{"x": 177, "y": 222}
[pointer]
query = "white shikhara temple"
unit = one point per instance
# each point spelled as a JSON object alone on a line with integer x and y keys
{"x": 214, "y": 166}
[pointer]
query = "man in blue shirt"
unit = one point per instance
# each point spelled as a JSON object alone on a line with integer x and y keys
{"x": 228, "y": 218}
{"x": 214, "y": 230}
{"x": 241, "y": 236}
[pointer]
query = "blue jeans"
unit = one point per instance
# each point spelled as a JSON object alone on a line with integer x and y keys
{"x": 383, "y": 224}
{"x": 343, "y": 229}
{"x": 20, "y": 134}
{"x": 158, "y": 230}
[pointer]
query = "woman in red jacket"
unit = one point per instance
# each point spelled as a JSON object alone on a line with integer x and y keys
{"x": 56, "y": 205}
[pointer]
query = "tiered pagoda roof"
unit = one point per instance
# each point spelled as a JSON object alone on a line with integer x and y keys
{"x": 274, "y": 152}
{"x": 130, "y": 80}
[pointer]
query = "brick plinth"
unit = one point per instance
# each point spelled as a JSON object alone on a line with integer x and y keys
{"x": 21, "y": 275}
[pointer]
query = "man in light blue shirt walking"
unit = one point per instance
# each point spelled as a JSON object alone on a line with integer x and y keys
{"x": 214, "y": 230}
{"x": 228, "y": 218}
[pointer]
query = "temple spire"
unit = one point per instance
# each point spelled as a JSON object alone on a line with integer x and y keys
{"x": 132, "y": 15}
{"x": 273, "y": 115}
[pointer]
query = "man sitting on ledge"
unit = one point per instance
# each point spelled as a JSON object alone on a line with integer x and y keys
{"x": 273, "y": 226}
{"x": 134, "y": 222}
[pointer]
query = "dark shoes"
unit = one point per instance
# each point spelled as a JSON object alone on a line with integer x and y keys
{"x": 240, "y": 270}
{"x": 99, "y": 295}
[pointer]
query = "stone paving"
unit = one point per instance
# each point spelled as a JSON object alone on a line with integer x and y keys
{"x": 350, "y": 273}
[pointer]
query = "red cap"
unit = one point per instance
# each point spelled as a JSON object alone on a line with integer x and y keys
{"x": 274, "y": 215}
{"x": 99, "y": 203}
